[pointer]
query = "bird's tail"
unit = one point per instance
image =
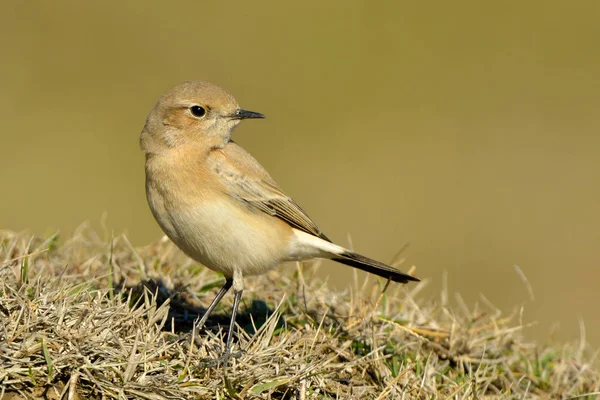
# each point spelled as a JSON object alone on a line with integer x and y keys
{"x": 374, "y": 267}
{"x": 320, "y": 247}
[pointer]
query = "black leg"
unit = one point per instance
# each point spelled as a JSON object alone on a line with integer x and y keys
{"x": 236, "y": 303}
{"x": 214, "y": 303}
{"x": 223, "y": 358}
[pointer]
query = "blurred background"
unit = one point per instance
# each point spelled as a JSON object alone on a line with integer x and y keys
{"x": 468, "y": 129}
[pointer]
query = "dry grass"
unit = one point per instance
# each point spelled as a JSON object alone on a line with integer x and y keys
{"x": 91, "y": 319}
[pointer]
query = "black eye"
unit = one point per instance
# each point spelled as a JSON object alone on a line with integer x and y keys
{"x": 198, "y": 111}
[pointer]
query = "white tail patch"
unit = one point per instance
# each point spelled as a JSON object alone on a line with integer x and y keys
{"x": 305, "y": 246}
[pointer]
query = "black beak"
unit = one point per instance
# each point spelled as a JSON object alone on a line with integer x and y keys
{"x": 244, "y": 114}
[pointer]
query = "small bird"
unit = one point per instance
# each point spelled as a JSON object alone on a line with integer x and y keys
{"x": 218, "y": 204}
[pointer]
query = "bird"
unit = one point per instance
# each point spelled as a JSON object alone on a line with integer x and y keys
{"x": 217, "y": 203}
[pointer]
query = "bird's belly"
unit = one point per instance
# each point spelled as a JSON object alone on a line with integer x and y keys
{"x": 225, "y": 236}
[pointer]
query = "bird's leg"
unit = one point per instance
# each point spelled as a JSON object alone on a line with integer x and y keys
{"x": 213, "y": 304}
{"x": 238, "y": 289}
{"x": 236, "y": 302}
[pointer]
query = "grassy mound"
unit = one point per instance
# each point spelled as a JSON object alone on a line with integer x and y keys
{"x": 98, "y": 319}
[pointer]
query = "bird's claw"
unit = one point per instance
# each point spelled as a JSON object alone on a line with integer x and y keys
{"x": 222, "y": 359}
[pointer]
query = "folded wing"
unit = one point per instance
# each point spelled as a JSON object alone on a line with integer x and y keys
{"x": 258, "y": 190}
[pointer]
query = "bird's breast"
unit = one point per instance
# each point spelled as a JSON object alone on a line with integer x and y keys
{"x": 212, "y": 227}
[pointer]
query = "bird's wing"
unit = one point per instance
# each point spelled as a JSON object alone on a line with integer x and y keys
{"x": 246, "y": 180}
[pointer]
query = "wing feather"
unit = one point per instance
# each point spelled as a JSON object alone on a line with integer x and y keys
{"x": 246, "y": 180}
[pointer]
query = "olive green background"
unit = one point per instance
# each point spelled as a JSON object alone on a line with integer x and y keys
{"x": 469, "y": 129}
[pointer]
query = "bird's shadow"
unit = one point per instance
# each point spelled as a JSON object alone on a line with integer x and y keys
{"x": 184, "y": 311}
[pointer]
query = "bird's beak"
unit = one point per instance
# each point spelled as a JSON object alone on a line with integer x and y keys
{"x": 244, "y": 114}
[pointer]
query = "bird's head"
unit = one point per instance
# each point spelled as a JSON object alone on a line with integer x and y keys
{"x": 192, "y": 112}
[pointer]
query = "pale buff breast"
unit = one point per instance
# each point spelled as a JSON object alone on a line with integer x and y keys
{"x": 211, "y": 227}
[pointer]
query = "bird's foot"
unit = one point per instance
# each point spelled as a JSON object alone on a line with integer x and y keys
{"x": 221, "y": 360}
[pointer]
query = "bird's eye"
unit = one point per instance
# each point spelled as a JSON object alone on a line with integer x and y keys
{"x": 198, "y": 111}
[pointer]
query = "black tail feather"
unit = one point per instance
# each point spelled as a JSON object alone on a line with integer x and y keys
{"x": 374, "y": 267}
